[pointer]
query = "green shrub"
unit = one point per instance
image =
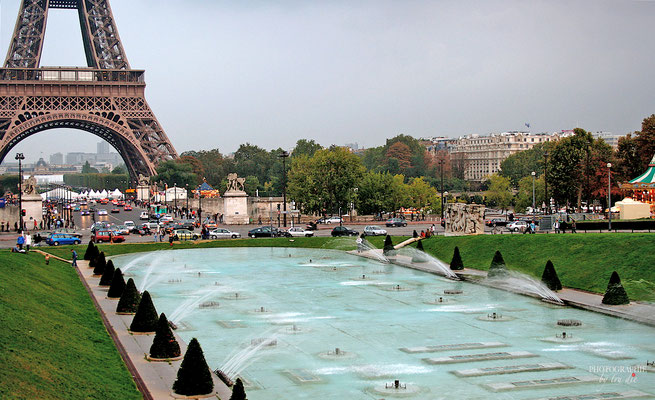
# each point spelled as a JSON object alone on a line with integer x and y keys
{"x": 117, "y": 285}
{"x": 164, "y": 344}
{"x": 90, "y": 251}
{"x": 498, "y": 269}
{"x": 108, "y": 274}
{"x": 550, "y": 278}
{"x": 194, "y": 376}
{"x": 456, "y": 263}
{"x": 419, "y": 256}
{"x": 145, "y": 319}
{"x": 615, "y": 293}
{"x": 129, "y": 301}
{"x": 388, "y": 247}
{"x": 238, "y": 392}
{"x": 100, "y": 263}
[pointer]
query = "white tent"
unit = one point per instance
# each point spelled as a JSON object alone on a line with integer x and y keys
{"x": 116, "y": 194}
{"x": 103, "y": 194}
{"x": 59, "y": 194}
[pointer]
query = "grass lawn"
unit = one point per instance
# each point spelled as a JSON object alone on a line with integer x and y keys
{"x": 54, "y": 345}
{"x": 582, "y": 261}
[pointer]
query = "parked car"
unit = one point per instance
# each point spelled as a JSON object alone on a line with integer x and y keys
{"x": 130, "y": 225}
{"x": 333, "y": 220}
{"x": 57, "y": 239}
{"x": 144, "y": 215}
{"x": 184, "y": 234}
{"x": 165, "y": 218}
{"x": 343, "y": 231}
{"x": 102, "y": 212}
{"x": 517, "y": 226}
{"x": 150, "y": 225}
{"x": 396, "y": 222}
{"x": 68, "y": 231}
{"x": 264, "y": 231}
{"x": 210, "y": 225}
{"x": 497, "y": 221}
{"x": 186, "y": 224}
{"x": 374, "y": 230}
{"x": 298, "y": 232}
{"x": 124, "y": 230}
{"x": 222, "y": 233}
{"x": 106, "y": 236}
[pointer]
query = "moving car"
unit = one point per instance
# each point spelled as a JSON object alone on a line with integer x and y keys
{"x": 343, "y": 231}
{"x": 102, "y": 212}
{"x": 211, "y": 225}
{"x": 127, "y": 207}
{"x": 222, "y": 233}
{"x": 144, "y": 215}
{"x": 115, "y": 210}
{"x": 517, "y": 226}
{"x": 57, "y": 239}
{"x": 106, "y": 236}
{"x": 68, "y": 231}
{"x": 85, "y": 212}
{"x": 497, "y": 221}
{"x": 298, "y": 232}
{"x": 333, "y": 220}
{"x": 130, "y": 225}
{"x": 374, "y": 230}
{"x": 396, "y": 222}
{"x": 264, "y": 231}
{"x": 124, "y": 230}
{"x": 184, "y": 234}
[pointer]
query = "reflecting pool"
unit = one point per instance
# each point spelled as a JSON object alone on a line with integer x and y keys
{"x": 322, "y": 324}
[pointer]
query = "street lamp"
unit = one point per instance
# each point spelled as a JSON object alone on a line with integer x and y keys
{"x": 175, "y": 208}
{"x": 441, "y": 163}
{"x": 284, "y": 155}
{"x": 199, "y": 205}
{"x": 533, "y": 203}
{"x": 186, "y": 186}
{"x": 546, "y": 182}
{"x": 20, "y": 157}
{"x": 609, "y": 195}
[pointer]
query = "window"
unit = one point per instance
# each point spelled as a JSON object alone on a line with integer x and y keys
{"x": 50, "y": 75}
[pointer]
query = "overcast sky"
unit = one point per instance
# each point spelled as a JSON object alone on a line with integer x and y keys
{"x": 222, "y": 73}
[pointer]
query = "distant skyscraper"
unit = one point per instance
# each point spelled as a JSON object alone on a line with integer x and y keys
{"x": 56, "y": 159}
{"x": 103, "y": 147}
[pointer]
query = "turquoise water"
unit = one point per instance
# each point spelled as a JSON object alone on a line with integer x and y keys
{"x": 313, "y": 307}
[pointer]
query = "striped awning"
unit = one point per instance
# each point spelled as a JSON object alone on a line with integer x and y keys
{"x": 647, "y": 177}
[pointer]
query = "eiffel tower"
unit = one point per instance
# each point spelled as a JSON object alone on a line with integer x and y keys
{"x": 106, "y": 98}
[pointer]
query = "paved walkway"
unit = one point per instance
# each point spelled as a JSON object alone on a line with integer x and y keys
{"x": 154, "y": 379}
{"x": 635, "y": 311}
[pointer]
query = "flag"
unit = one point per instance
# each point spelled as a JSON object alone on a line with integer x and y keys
{"x": 527, "y": 124}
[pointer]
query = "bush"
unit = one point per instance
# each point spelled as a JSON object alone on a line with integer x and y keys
{"x": 194, "y": 376}
{"x": 117, "y": 285}
{"x": 108, "y": 274}
{"x": 550, "y": 278}
{"x": 456, "y": 262}
{"x": 164, "y": 344}
{"x": 498, "y": 269}
{"x": 99, "y": 264}
{"x": 90, "y": 251}
{"x": 388, "y": 247}
{"x": 615, "y": 293}
{"x": 419, "y": 256}
{"x": 145, "y": 319}
{"x": 238, "y": 392}
{"x": 129, "y": 301}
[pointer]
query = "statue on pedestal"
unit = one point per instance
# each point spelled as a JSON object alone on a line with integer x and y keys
{"x": 235, "y": 184}
{"x": 464, "y": 219}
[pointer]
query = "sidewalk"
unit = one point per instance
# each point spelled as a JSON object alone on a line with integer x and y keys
{"x": 154, "y": 379}
{"x": 643, "y": 313}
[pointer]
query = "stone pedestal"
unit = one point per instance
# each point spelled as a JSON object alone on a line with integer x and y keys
{"x": 143, "y": 192}
{"x": 464, "y": 219}
{"x": 235, "y": 204}
{"x": 33, "y": 206}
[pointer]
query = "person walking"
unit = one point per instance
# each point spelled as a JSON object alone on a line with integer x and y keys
{"x": 20, "y": 241}
{"x": 556, "y": 225}
{"x": 74, "y": 254}
{"x": 28, "y": 241}
{"x": 573, "y": 226}
{"x": 533, "y": 227}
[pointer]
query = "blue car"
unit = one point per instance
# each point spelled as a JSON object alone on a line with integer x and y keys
{"x": 62, "y": 238}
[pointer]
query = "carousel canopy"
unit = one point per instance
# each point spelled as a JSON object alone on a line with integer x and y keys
{"x": 206, "y": 186}
{"x": 648, "y": 177}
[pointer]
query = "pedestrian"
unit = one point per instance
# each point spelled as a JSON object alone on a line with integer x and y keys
{"x": 170, "y": 239}
{"x": 47, "y": 259}
{"x": 359, "y": 244}
{"x": 533, "y": 227}
{"x": 156, "y": 231}
{"x": 74, "y": 254}
{"x": 28, "y": 241}
{"x": 556, "y": 225}
{"x": 573, "y": 227}
{"x": 20, "y": 241}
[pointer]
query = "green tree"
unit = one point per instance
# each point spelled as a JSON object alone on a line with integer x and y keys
{"x": 615, "y": 293}
{"x": 305, "y": 147}
{"x": 629, "y": 159}
{"x": 238, "y": 392}
{"x": 129, "y": 300}
{"x": 117, "y": 285}
{"x": 399, "y": 193}
{"x": 120, "y": 169}
{"x": 373, "y": 193}
{"x": 550, "y": 278}
{"x": 499, "y": 193}
{"x": 194, "y": 376}
{"x": 88, "y": 169}
{"x": 172, "y": 172}
{"x": 164, "y": 345}
{"x": 646, "y": 141}
{"x": 145, "y": 319}
{"x": 422, "y": 195}
{"x": 214, "y": 165}
{"x": 107, "y": 274}
{"x": 522, "y": 164}
{"x": 524, "y": 195}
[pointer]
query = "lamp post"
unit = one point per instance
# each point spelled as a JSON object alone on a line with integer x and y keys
{"x": 441, "y": 163}
{"x": 199, "y": 205}
{"x": 533, "y": 197}
{"x": 20, "y": 157}
{"x": 609, "y": 195}
{"x": 546, "y": 182}
{"x": 175, "y": 207}
{"x": 284, "y": 155}
{"x": 186, "y": 186}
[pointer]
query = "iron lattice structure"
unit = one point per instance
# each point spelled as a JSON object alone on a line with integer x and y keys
{"x": 107, "y": 98}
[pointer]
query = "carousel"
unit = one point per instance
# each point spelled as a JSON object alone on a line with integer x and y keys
{"x": 642, "y": 188}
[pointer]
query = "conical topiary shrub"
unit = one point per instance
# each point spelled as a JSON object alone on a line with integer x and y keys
{"x": 89, "y": 253}
{"x": 100, "y": 263}
{"x": 238, "y": 392}
{"x": 129, "y": 301}
{"x": 550, "y": 278}
{"x": 164, "y": 344}
{"x": 388, "y": 247}
{"x": 117, "y": 285}
{"x": 498, "y": 269}
{"x": 95, "y": 252}
{"x": 108, "y": 274}
{"x": 194, "y": 376}
{"x": 615, "y": 293}
{"x": 419, "y": 256}
{"x": 145, "y": 319}
{"x": 456, "y": 263}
